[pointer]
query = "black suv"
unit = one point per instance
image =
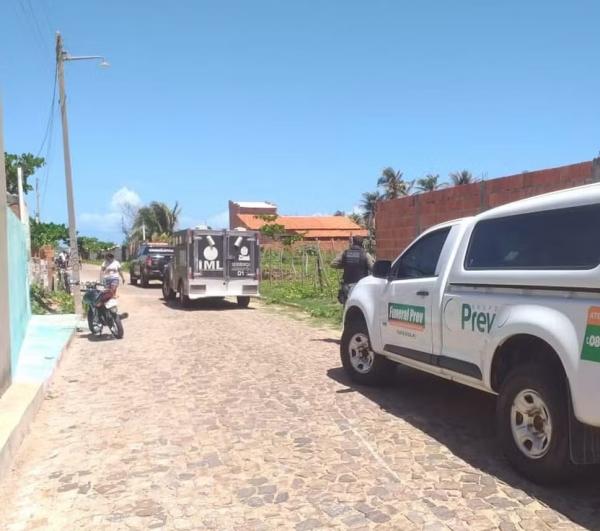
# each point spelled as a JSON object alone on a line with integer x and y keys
{"x": 149, "y": 263}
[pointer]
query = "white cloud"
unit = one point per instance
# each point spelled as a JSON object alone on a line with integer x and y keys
{"x": 122, "y": 201}
{"x": 124, "y": 198}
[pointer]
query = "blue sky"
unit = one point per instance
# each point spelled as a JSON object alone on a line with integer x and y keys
{"x": 297, "y": 102}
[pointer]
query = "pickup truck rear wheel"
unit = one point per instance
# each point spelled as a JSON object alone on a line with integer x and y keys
{"x": 243, "y": 302}
{"x": 144, "y": 280}
{"x": 533, "y": 424}
{"x": 184, "y": 300}
{"x": 168, "y": 293}
{"x": 361, "y": 364}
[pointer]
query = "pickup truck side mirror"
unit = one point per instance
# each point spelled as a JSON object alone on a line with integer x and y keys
{"x": 381, "y": 268}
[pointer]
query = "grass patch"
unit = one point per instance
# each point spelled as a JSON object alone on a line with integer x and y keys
{"x": 44, "y": 302}
{"x": 322, "y": 305}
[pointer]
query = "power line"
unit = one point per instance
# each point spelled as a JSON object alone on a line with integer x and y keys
{"x": 50, "y": 114}
{"x": 48, "y": 136}
{"x": 31, "y": 31}
{"x": 46, "y": 18}
{"x": 36, "y": 24}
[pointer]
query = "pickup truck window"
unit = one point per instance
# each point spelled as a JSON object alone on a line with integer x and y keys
{"x": 565, "y": 238}
{"x": 421, "y": 258}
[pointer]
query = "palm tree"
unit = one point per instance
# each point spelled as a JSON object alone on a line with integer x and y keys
{"x": 429, "y": 183}
{"x": 157, "y": 220}
{"x": 357, "y": 218}
{"x": 462, "y": 177}
{"x": 393, "y": 184}
{"x": 368, "y": 206}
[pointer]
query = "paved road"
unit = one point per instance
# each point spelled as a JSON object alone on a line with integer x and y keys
{"x": 220, "y": 418}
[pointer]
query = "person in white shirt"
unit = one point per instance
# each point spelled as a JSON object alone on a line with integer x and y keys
{"x": 111, "y": 269}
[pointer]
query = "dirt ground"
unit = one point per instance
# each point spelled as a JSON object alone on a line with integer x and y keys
{"x": 222, "y": 418}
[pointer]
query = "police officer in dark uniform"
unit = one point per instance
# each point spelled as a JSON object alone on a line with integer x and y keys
{"x": 356, "y": 263}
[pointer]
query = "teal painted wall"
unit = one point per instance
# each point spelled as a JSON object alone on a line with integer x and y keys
{"x": 18, "y": 289}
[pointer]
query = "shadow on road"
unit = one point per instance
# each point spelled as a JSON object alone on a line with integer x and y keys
{"x": 156, "y": 285}
{"x": 462, "y": 419}
{"x": 327, "y": 340}
{"x": 210, "y": 304}
{"x": 99, "y": 338}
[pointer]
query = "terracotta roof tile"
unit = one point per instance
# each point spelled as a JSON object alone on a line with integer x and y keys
{"x": 305, "y": 223}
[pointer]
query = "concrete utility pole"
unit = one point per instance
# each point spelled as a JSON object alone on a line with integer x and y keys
{"x": 4, "y": 304}
{"x": 61, "y": 57}
{"x": 37, "y": 199}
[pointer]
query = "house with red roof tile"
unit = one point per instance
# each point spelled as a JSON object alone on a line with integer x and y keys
{"x": 331, "y": 231}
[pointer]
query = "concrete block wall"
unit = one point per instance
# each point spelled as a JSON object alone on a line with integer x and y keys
{"x": 399, "y": 221}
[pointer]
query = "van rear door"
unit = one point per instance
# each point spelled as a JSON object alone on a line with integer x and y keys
{"x": 209, "y": 254}
{"x": 242, "y": 255}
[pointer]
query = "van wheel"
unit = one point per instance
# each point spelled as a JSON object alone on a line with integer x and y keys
{"x": 533, "y": 424}
{"x": 168, "y": 293}
{"x": 243, "y": 302}
{"x": 361, "y": 364}
{"x": 184, "y": 300}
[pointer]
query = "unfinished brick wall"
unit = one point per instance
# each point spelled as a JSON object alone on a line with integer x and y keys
{"x": 398, "y": 221}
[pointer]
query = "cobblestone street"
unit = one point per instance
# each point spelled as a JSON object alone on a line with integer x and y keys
{"x": 222, "y": 418}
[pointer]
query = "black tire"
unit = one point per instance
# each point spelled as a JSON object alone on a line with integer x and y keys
{"x": 133, "y": 279}
{"x": 243, "y": 302}
{"x": 144, "y": 280}
{"x": 90, "y": 320}
{"x": 380, "y": 370}
{"x": 116, "y": 328}
{"x": 184, "y": 300}
{"x": 555, "y": 464}
{"x": 168, "y": 293}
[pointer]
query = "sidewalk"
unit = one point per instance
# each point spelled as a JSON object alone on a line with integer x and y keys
{"x": 46, "y": 340}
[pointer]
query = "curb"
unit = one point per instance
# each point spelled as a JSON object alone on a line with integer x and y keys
{"x": 18, "y": 407}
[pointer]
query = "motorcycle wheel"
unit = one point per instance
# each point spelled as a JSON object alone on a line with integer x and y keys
{"x": 90, "y": 319}
{"x": 116, "y": 327}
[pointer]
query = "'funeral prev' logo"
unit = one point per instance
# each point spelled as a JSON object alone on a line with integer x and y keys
{"x": 406, "y": 316}
{"x": 591, "y": 340}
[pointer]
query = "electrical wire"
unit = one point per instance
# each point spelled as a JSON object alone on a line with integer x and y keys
{"x": 33, "y": 32}
{"x": 51, "y": 113}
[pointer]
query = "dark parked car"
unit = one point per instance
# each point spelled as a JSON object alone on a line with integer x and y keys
{"x": 149, "y": 262}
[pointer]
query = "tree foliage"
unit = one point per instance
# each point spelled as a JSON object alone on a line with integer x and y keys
{"x": 276, "y": 231}
{"x": 88, "y": 245}
{"x": 429, "y": 183}
{"x": 47, "y": 233}
{"x": 157, "y": 220}
{"x": 28, "y": 162}
{"x": 357, "y": 218}
{"x": 462, "y": 177}
{"x": 393, "y": 184}
{"x": 368, "y": 206}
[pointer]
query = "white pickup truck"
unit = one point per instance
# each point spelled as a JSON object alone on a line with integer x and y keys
{"x": 507, "y": 302}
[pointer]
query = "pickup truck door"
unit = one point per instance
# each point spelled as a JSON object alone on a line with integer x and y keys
{"x": 407, "y": 318}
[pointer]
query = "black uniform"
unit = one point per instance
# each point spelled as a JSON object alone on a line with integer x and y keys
{"x": 355, "y": 264}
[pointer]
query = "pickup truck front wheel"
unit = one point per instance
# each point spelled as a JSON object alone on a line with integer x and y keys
{"x": 361, "y": 364}
{"x": 533, "y": 423}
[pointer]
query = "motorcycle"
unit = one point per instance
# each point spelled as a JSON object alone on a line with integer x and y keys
{"x": 102, "y": 311}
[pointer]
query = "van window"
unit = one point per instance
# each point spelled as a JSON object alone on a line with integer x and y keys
{"x": 565, "y": 238}
{"x": 421, "y": 258}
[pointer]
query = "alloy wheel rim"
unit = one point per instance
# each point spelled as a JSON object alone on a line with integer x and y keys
{"x": 531, "y": 424}
{"x": 360, "y": 353}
